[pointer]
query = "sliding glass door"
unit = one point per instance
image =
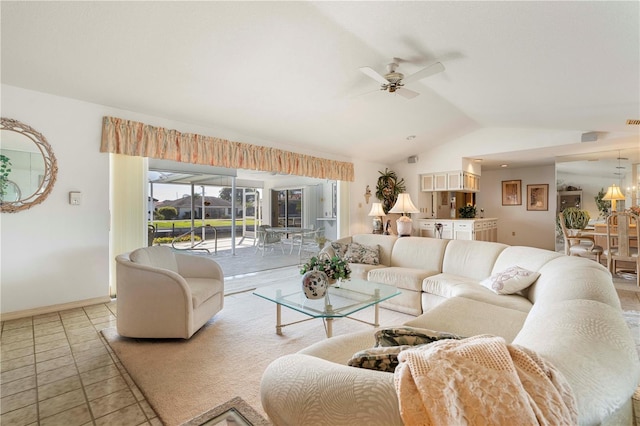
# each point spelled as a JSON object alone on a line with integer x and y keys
{"x": 286, "y": 208}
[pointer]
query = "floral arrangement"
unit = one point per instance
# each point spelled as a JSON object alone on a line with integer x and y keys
{"x": 635, "y": 210}
{"x": 334, "y": 267}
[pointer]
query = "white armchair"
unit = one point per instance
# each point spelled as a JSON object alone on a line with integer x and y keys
{"x": 164, "y": 294}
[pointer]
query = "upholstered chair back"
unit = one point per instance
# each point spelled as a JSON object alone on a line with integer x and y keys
{"x": 156, "y": 256}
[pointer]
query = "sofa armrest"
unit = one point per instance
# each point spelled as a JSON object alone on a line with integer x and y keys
{"x": 301, "y": 389}
{"x": 191, "y": 266}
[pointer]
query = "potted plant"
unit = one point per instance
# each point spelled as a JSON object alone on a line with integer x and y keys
{"x": 604, "y": 206}
{"x": 334, "y": 267}
{"x": 575, "y": 218}
{"x": 388, "y": 188}
{"x": 467, "y": 212}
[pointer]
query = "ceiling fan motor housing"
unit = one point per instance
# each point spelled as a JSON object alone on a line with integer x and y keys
{"x": 394, "y": 79}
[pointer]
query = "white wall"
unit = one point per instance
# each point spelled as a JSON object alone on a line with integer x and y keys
{"x": 365, "y": 174}
{"x": 531, "y": 228}
{"x": 56, "y": 253}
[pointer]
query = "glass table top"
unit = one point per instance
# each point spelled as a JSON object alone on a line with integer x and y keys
{"x": 343, "y": 299}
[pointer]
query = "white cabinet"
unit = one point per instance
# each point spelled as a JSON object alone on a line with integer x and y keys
{"x": 428, "y": 228}
{"x": 440, "y": 182}
{"x": 460, "y": 229}
{"x": 426, "y": 183}
{"x": 454, "y": 181}
{"x": 450, "y": 181}
{"x": 463, "y": 230}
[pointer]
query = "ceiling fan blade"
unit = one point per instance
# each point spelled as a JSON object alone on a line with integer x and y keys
{"x": 406, "y": 93}
{"x": 374, "y": 75}
{"x": 425, "y": 72}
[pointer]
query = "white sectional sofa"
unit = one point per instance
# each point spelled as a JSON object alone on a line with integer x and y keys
{"x": 570, "y": 316}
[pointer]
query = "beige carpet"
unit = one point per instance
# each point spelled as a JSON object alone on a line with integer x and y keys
{"x": 226, "y": 358}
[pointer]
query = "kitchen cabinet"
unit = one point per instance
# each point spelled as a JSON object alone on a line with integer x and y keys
{"x": 450, "y": 181}
{"x": 440, "y": 182}
{"x": 460, "y": 229}
{"x": 426, "y": 183}
{"x": 427, "y": 228}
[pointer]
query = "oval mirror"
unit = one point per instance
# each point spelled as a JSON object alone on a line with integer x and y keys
{"x": 28, "y": 168}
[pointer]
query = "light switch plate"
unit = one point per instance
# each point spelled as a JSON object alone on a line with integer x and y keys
{"x": 75, "y": 198}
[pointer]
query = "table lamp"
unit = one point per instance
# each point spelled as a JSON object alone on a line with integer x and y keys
{"x": 404, "y": 205}
{"x": 377, "y": 212}
{"x": 613, "y": 194}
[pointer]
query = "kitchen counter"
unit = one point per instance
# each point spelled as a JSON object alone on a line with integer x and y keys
{"x": 480, "y": 229}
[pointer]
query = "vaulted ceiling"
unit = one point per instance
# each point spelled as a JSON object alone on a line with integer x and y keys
{"x": 287, "y": 73}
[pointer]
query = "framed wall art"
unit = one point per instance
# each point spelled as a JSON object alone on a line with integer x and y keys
{"x": 538, "y": 197}
{"x": 511, "y": 193}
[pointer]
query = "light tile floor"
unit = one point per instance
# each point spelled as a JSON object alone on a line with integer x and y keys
{"x": 56, "y": 369}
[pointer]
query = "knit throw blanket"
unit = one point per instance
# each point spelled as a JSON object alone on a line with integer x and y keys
{"x": 481, "y": 381}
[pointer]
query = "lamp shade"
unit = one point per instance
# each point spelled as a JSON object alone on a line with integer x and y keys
{"x": 404, "y": 205}
{"x": 613, "y": 193}
{"x": 376, "y": 210}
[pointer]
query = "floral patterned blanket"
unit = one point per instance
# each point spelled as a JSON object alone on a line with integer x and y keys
{"x": 481, "y": 380}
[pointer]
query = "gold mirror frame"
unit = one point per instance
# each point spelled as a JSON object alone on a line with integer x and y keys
{"x": 50, "y": 167}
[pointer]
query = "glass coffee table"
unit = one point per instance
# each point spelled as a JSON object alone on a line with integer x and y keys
{"x": 342, "y": 300}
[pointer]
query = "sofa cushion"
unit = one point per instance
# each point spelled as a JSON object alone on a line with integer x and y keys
{"x": 398, "y": 336}
{"x": 156, "y": 256}
{"x": 202, "y": 289}
{"x": 449, "y": 285}
{"x": 386, "y": 243}
{"x": 390, "y": 342}
{"x": 530, "y": 258}
{"x": 472, "y": 259}
{"x": 419, "y": 253}
{"x": 468, "y": 317}
{"x": 511, "y": 280}
{"x": 404, "y": 278}
{"x": 339, "y": 249}
{"x": 360, "y": 253}
{"x": 361, "y": 270}
{"x": 443, "y": 284}
{"x": 476, "y": 292}
{"x": 382, "y": 358}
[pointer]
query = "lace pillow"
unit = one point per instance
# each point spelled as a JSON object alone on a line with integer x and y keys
{"x": 398, "y": 336}
{"x": 359, "y": 253}
{"x": 510, "y": 281}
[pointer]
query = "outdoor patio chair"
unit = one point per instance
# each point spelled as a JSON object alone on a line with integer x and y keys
{"x": 268, "y": 240}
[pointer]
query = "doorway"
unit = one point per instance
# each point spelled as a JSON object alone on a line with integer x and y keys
{"x": 286, "y": 208}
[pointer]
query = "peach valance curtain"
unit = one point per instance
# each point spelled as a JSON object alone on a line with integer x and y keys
{"x": 138, "y": 139}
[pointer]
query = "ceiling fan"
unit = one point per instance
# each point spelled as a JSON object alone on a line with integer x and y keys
{"x": 394, "y": 81}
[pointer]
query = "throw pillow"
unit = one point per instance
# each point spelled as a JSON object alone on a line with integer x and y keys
{"x": 359, "y": 253}
{"x": 398, "y": 336}
{"x": 339, "y": 249}
{"x": 380, "y": 359}
{"x": 510, "y": 281}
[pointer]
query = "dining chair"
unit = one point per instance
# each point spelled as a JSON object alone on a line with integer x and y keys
{"x": 268, "y": 239}
{"x": 579, "y": 245}
{"x": 622, "y": 229}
